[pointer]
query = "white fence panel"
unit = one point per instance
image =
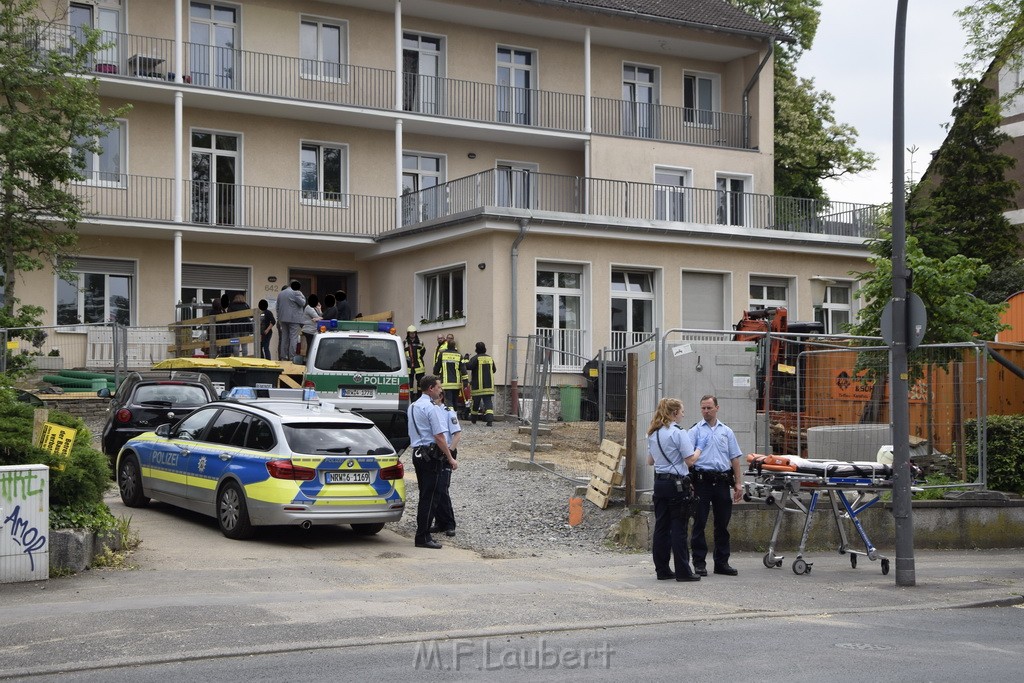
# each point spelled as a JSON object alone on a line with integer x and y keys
{"x": 25, "y": 511}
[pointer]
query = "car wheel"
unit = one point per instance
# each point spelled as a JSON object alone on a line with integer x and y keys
{"x": 367, "y": 529}
{"x": 232, "y": 513}
{"x": 129, "y": 482}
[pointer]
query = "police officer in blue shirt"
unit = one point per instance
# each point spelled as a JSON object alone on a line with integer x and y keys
{"x": 430, "y": 453}
{"x": 444, "y": 520}
{"x": 718, "y": 482}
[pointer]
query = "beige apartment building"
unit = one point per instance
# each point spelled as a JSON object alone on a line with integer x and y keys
{"x": 589, "y": 171}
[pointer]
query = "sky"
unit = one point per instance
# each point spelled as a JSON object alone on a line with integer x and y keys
{"x": 852, "y": 58}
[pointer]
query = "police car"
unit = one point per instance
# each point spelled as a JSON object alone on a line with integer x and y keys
{"x": 359, "y": 365}
{"x": 280, "y": 463}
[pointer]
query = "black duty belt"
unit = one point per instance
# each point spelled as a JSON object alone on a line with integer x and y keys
{"x": 713, "y": 476}
{"x": 669, "y": 476}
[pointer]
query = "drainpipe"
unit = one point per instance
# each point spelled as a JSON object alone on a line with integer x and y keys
{"x": 746, "y": 94}
{"x": 524, "y": 223}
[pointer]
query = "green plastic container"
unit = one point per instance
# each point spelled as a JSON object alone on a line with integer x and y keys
{"x": 570, "y": 396}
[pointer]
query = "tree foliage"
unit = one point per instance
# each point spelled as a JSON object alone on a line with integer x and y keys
{"x": 958, "y": 206}
{"x": 810, "y": 145}
{"x": 50, "y": 117}
{"x": 945, "y": 286}
{"x": 994, "y": 32}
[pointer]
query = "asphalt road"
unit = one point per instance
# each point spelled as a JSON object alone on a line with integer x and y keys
{"x": 329, "y": 604}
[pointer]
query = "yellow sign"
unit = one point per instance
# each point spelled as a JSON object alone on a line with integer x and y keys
{"x": 57, "y": 440}
{"x": 12, "y": 345}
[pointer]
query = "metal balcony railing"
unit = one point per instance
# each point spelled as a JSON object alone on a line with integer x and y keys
{"x": 616, "y": 199}
{"x": 668, "y": 124}
{"x": 242, "y": 206}
{"x": 566, "y": 347}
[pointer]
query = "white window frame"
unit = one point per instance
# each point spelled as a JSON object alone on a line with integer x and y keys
{"x": 570, "y": 360}
{"x": 429, "y": 207}
{"x": 623, "y": 339}
{"x": 755, "y": 303}
{"x": 318, "y": 62}
{"x": 106, "y": 17}
{"x": 515, "y": 93}
{"x": 695, "y": 118}
{"x": 436, "y": 288}
{"x": 319, "y": 195}
{"x": 725, "y": 210}
{"x": 93, "y": 266}
{"x": 664, "y": 194}
{"x": 634, "y": 116}
{"x": 525, "y": 182}
{"x": 827, "y": 309}
{"x": 91, "y": 170}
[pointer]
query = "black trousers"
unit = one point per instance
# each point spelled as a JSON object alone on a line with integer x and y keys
{"x": 444, "y": 513}
{"x": 716, "y": 496}
{"x": 671, "y": 515}
{"x": 428, "y": 477}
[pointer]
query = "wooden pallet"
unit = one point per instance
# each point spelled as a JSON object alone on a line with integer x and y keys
{"x": 607, "y": 473}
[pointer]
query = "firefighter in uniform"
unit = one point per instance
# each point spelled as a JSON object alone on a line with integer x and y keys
{"x": 449, "y": 368}
{"x": 481, "y": 382}
{"x": 414, "y": 352}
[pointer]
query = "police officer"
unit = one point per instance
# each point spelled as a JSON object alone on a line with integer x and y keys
{"x": 429, "y": 442}
{"x": 670, "y": 451}
{"x": 414, "y": 352}
{"x": 718, "y": 481}
{"x": 449, "y": 368}
{"x": 444, "y": 520}
{"x": 481, "y": 382}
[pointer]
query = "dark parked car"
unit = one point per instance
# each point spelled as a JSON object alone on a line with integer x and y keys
{"x": 146, "y": 400}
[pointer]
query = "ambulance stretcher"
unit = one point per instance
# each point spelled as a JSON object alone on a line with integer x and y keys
{"x": 780, "y": 480}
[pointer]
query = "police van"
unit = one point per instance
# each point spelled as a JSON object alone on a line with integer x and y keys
{"x": 358, "y": 365}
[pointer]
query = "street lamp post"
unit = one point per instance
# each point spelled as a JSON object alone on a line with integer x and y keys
{"x": 899, "y": 375}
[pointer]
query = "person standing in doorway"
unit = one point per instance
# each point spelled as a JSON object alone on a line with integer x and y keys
{"x": 267, "y": 322}
{"x": 310, "y": 321}
{"x": 344, "y": 307}
{"x": 481, "y": 382}
{"x": 290, "y": 305}
{"x": 718, "y": 482}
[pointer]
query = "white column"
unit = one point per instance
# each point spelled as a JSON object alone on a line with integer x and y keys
{"x": 179, "y": 97}
{"x": 586, "y": 84}
{"x": 398, "y": 172}
{"x": 177, "y": 270}
{"x": 398, "y": 55}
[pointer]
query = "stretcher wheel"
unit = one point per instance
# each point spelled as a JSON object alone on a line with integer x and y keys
{"x": 853, "y": 561}
{"x": 747, "y": 498}
{"x": 800, "y": 567}
{"x": 769, "y": 500}
{"x": 885, "y": 566}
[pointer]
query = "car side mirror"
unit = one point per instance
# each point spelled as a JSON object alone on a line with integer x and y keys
{"x": 103, "y": 393}
{"x": 164, "y": 430}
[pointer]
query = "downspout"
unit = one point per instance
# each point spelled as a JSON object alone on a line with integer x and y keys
{"x": 524, "y": 223}
{"x": 746, "y": 94}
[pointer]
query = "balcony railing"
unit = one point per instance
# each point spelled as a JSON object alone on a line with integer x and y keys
{"x": 237, "y": 206}
{"x": 232, "y": 70}
{"x": 668, "y": 124}
{"x": 614, "y": 199}
{"x": 566, "y": 348}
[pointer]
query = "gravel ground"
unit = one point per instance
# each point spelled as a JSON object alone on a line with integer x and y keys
{"x": 508, "y": 513}
{"x": 511, "y": 513}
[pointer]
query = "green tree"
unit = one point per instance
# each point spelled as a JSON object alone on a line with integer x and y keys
{"x": 50, "y": 117}
{"x": 994, "y": 32}
{"x": 810, "y": 145}
{"x": 958, "y": 206}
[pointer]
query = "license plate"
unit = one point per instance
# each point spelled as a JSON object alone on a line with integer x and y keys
{"x": 347, "y": 392}
{"x": 357, "y": 477}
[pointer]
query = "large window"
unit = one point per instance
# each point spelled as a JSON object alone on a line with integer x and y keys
{"x": 322, "y": 48}
{"x": 700, "y": 98}
{"x": 422, "y": 61}
{"x": 202, "y": 283}
{"x": 444, "y": 295}
{"x": 732, "y": 199}
{"x": 98, "y": 291}
{"x": 639, "y": 97}
{"x": 632, "y": 307}
{"x": 421, "y": 176}
{"x": 515, "y": 86}
{"x": 213, "y": 57}
{"x": 104, "y": 164}
{"x": 768, "y": 293}
{"x": 323, "y": 168}
{"x": 836, "y": 310}
{"x": 560, "y": 294}
{"x": 514, "y": 185}
{"x": 670, "y": 194}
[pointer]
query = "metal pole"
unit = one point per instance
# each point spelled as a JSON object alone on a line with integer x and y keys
{"x": 902, "y": 478}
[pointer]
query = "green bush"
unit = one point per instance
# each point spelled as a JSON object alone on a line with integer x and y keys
{"x": 1005, "y": 438}
{"x": 86, "y": 474}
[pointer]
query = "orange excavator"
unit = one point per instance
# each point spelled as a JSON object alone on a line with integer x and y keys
{"x": 782, "y": 356}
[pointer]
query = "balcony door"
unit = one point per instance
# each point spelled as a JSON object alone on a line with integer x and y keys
{"x": 216, "y": 170}
{"x": 83, "y": 16}
{"x": 514, "y": 185}
{"x": 515, "y": 80}
{"x": 639, "y": 100}
{"x": 213, "y": 32}
{"x": 670, "y": 194}
{"x": 422, "y": 65}
{"x": 632, "y": 311}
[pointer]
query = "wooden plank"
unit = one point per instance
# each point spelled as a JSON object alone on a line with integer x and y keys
{"x": 617, "y": 479}
{"x": 288, "y": 382}
{"x": 604, "y": 473}
{"x": 609, "y": 461}
{"x": 611, "y": 448}
{"x": 597, "y": 499}
{"x": 602, "y": 486}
